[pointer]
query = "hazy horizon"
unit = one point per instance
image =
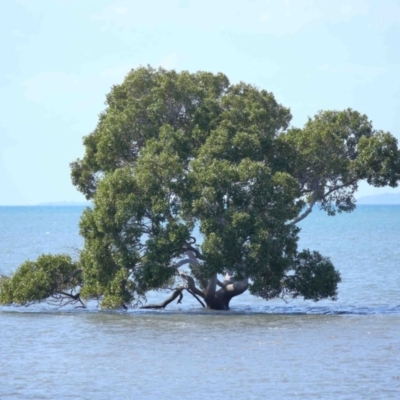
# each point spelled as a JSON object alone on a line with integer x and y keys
{"x": 378, "y": 199}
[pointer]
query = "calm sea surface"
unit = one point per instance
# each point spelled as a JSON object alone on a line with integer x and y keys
{"x": 349, "y": 349}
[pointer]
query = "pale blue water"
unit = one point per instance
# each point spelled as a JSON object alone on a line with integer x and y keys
{"x": 347, "y": 349}
{"x": 27, "y": 232}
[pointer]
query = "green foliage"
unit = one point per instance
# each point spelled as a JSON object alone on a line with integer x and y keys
{"x": 314, "y": 277}
{"x": 36, "y": 281}
{"x": 173, "y": 151}
{"x": 310, "y": 275}
{"x": 379, "y": 161}
{"x": 334, "y": 151}
{"x": 177, "y": 152}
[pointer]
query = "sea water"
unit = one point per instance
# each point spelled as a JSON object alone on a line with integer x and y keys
{"x": 348, "y": 349}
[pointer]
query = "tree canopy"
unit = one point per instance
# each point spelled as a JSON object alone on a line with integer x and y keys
{"x": 176, "y": 156}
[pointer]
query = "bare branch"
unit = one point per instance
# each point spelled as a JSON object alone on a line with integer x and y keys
{"x": 183, "y": 262}
{"x": 315, "y": 199}
{"x": 304, "y": 215}
{"x": 196, "y": 252}
{"x": 190, "y": 260}
{"x": 73, "y": 298}
{"x": 237, "y": 288}
{"x": 220, "y": 284}
{"x": 189, "y": 281}
{"x": 196, "y": 297}
{"x": 197, "y": 274}
{"x": 174, "y": 295}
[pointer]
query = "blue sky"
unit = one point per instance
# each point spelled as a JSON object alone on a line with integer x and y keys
{"x": 60, "y": 58}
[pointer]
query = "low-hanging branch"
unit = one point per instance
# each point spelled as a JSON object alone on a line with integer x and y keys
{"x": 194, "y": 295}
{"x": 71, "y": 298}
{"x": 174, "y": 295}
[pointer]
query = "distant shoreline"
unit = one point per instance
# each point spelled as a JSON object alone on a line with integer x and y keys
{"x": 379, "y": 200}
{"x": 66, "y": 204}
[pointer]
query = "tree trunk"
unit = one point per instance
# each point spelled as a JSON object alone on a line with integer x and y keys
{"x": 214, "y": 299}
{"x": 220, "y": 299}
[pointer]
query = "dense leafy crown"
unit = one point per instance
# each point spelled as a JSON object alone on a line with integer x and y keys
{"x": 177, "y": 155}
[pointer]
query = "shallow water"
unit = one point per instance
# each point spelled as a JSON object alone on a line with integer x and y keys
{"x": 245, "y": 356}
{"x": 347, "y": 349}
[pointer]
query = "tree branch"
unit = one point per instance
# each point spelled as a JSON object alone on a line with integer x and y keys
{"x": 220, "y": 284}
{"x": 315, "y": 199}
{"x": 196, "y": 252}
{"x": 190, "y": 284}
{"x": 177, "y": 293}
{"x": 304, "y": 215}
{"x": 196, "y": 298}
{"x": 190, "y": 260}
{"x": 212, "y": 286}
{"x": 237, "y": 288}
{"x": 74, "y": 297}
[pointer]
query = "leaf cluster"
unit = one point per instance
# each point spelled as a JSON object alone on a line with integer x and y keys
{"x": 50, "y": 276}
